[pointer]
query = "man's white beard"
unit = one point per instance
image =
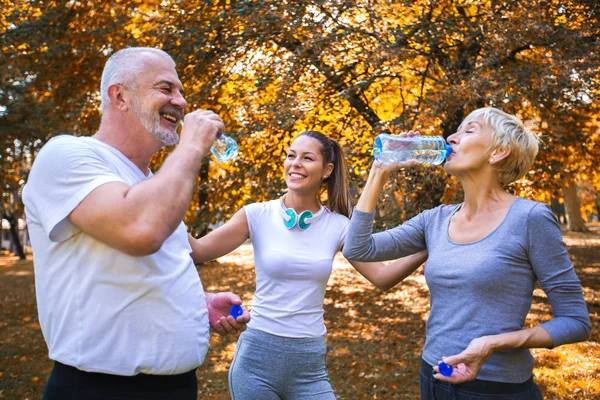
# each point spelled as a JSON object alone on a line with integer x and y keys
{"x": 151, "y": 121}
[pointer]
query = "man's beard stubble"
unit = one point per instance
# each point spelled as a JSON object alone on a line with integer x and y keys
{"x": 151, "y": 121}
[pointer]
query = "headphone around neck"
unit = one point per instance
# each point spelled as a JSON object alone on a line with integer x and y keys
{"x": 304, "y": 220}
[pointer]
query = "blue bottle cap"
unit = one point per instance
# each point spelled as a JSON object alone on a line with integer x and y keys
{"x": 236, "y": 310}
{"x": 448, "y": 149}
{"x": 445, "y": 369}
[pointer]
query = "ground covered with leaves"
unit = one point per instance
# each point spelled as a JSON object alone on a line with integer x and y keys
{"x": 374, "y": 338}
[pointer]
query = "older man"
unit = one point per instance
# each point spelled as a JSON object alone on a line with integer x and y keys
{"x": 120, "y": 303}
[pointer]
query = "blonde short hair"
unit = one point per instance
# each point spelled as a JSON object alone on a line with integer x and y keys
{"x": 509, "y": 131}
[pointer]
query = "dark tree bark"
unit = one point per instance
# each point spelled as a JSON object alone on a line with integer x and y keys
{"x": 575, "y": 222}
{"x": 14, "y": 234}
{"x": 203, "y": 214}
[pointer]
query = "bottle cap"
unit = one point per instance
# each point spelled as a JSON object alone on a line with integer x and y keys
{"x": 236, "y": 310}
{"x": 445, "y": 369}
{"x": 448, "y": 149}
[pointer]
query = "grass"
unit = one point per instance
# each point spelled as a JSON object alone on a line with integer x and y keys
{"x": 374, "y": 338}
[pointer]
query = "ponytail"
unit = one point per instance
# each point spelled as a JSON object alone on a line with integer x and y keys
{"x": 338, "y": 196}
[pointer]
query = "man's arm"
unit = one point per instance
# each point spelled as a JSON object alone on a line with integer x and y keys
{"x": 138, "y": 219}
{"x": 219, "y": 318}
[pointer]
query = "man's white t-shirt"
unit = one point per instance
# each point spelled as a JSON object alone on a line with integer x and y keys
{"x": 292, "y": 269}
{"x": 102, "y": 310}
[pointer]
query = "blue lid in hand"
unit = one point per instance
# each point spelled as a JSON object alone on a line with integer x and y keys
{"x": 236, "y": 310}
{"x": 445, "y": 369}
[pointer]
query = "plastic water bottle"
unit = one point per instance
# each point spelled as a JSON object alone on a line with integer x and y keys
{"x": 236, "y": 310}
{"x": 224, "y": 148}
{"x": 445, "y": 369}
{"x": 425, "y": 149}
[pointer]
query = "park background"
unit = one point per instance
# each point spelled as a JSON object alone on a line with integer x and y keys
{"x": 351, "y": 69}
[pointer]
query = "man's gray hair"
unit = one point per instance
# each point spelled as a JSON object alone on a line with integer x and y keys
{"x": 124, "y": 66}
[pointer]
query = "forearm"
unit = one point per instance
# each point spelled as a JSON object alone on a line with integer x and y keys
{"x": 370, "y": 194}
{"x": 202, "y": 252}
{"x": 222, "y": 240}
{"x": 209, "y": 248}
{"x": 535, "y": 337}
{"x": 400, "y": 269}
{"x": 385, "y": 277}
{"x": 468, "y": 363}
{"x": 361, "y": 244}
{"x": 162, "y": 201}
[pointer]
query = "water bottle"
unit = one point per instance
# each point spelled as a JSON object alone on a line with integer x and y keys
{"x": 224, "y": 148}
{"x": 425, "y": 149}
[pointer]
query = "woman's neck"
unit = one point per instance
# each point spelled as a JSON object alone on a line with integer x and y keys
{"x": 484, "y": 196}
{"x": 300, "y": 202}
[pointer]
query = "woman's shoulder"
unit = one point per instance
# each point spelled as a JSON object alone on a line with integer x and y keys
{"x": 526, "y": 213}
{"x": 531, "y": 207}
{"x": 335, "y": 216}
{"x": 262, "y": 205}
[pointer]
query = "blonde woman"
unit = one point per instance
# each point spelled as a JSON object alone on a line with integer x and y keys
{"x": 485, "y": 256}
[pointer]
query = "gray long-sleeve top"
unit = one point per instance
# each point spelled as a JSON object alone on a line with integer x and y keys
{"x": 484, "y": 287}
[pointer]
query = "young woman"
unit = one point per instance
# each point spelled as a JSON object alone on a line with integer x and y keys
{"x": 485, "y": 256}
{"x": 282, "y": 353}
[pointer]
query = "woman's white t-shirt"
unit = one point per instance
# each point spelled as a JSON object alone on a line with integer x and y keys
{"x": 292, "y": 269}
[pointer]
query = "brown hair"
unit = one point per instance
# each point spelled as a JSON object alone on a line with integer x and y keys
{"x": 338, "y": 197}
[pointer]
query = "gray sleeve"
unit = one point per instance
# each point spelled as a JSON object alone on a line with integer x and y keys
{"x": 551, "y": 264}
{"x": 362, "y": 245}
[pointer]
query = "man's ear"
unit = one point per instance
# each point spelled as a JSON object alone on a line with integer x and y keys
{"x": 118, "y": 96}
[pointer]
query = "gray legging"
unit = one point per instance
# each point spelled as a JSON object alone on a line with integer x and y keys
{"x": 270, "y": 367}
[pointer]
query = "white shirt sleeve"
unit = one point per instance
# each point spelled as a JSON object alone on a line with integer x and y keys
{"x": 343, "y": 233}
{"x": 254, "y": 213}
{"x": 65, "y": 171}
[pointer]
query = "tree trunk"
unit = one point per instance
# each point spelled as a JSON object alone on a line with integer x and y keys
{"x": 14, "y": 234}
{"x": 575, "y": 222}
{"x": 203, "y": 213}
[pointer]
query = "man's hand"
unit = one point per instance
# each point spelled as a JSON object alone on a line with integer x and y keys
{"x": 200, "y": 129}
{"x": 218, "y": 313}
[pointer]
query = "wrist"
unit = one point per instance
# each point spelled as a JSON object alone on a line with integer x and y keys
{"x": 378, "y": 174}
{"x": 195, "y": 149}
{"x": 209, "y": 297}
{"x": 376, "y": 181}
{"x": 493, "y": 343}
{"x": 186, "y": 158}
